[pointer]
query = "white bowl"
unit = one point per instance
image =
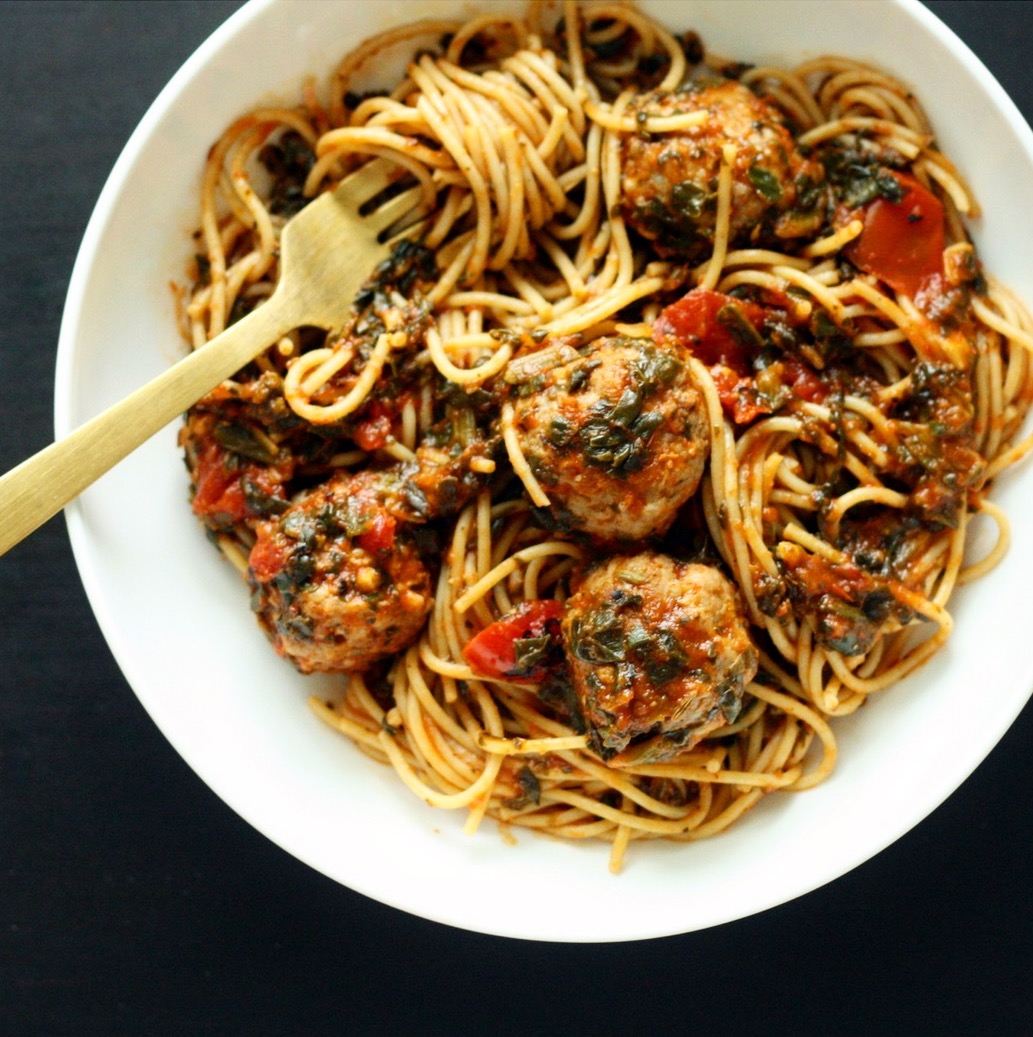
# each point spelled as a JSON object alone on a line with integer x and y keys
{"x": 177, "y": 618}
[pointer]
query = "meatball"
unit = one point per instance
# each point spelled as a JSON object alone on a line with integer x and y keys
{"x": 659, "y": 653}
{"x": 669, "y": 180}
{"x": 338, "y": 581}
{"x": 617, "y": 437}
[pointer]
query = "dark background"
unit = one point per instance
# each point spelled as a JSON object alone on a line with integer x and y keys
{"x": 133, "y": 901}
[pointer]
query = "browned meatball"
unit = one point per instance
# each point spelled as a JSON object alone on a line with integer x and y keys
{"x": 669, "y": 180}
{"x": 339, "y": 584}
{"x": 617, "y": 438}
{"x": 659, "y": 653}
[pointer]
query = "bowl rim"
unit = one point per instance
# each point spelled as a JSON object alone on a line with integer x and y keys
{"x": 82, "y": 533}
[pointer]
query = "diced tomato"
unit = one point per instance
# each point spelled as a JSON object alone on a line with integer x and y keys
{"x": 493, "y": 652}
{"x": 806, "y": 385}
{"x": 380, "y": 535}
{"x": 378, "y": 424}
{"x": 373, "y": 433}
{"x": 704, "y": 322}
{"x": 268, "y": 554}
{"x": 218, "y": 491}
{"x": 737, "y": 394}
{"x": 220, "y": 480}
{"x": 902, "y": 242}
{"x": 716, "y": 328}
{"x": 700, "y": 321}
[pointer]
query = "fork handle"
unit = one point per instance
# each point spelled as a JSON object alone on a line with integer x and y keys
{"x": 42, "y": 485}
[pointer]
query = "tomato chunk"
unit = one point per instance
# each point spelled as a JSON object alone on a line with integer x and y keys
{"x": 902, "y": 242}
{"x": 218, "y": 491}
{"x": 229, "y": 490}
{"x": 380, "y": 536}
{"x": 269, "y": 553}
{"x": 716, "y": 328}
{"x": 722, "y": 333}
{"x": 494, "y": 651}
{"x": 374, "y": 433}
{"x": 806, "y": 385}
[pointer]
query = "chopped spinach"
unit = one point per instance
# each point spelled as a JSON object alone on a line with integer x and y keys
{"x": 654, "y": 368}
{"x": 598, "y": 638}
{"x": 531, "y": 652}
{"x": 689, "y": 199}
{"x": 246, "y": 442}
{"x": 735, "y": 322}
{"x": 860, "y": 177}
{"x": 529, "y": 785}
{"x": 288, "y": 161}
{"x": 765, "y": 182}
{"x": 560, "y": 433}
{"x": 605, "y": 638}
{"x": 409, "y": 263}
{"x": 661, "y": 657}
{"x": 617, "y": 436}
{"x": 616, "y": 433}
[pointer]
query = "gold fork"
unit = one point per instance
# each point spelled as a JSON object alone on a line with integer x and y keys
{"x": 326, "y": 251}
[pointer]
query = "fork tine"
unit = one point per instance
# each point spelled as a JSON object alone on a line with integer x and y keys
{"x": 393, "y": 210}
{"x": 410, "y": 230}
{"x": 369, "y": 180}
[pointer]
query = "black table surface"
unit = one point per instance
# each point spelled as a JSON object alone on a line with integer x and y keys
{"x": 132, "y": 900}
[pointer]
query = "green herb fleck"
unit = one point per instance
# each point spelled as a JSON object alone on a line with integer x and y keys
{"x": 766, "y": 183}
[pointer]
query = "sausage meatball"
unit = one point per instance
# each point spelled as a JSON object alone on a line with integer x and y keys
{"x": 659, "y": 654}
{"x": 338, "y": 582}
{"x": 617, "y": 437}
{"x": 669, "y": 180}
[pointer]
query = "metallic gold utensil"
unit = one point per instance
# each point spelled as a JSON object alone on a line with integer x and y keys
{"x": 326, "y": 251}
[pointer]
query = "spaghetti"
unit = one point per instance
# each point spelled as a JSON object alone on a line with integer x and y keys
{"x": 680, "y": 335}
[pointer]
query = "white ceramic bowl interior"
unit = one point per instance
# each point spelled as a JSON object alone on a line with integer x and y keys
{"x": 177, "y": 618}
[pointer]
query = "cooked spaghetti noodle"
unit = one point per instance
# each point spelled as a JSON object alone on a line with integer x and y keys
{"x": 677, "y": 331}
